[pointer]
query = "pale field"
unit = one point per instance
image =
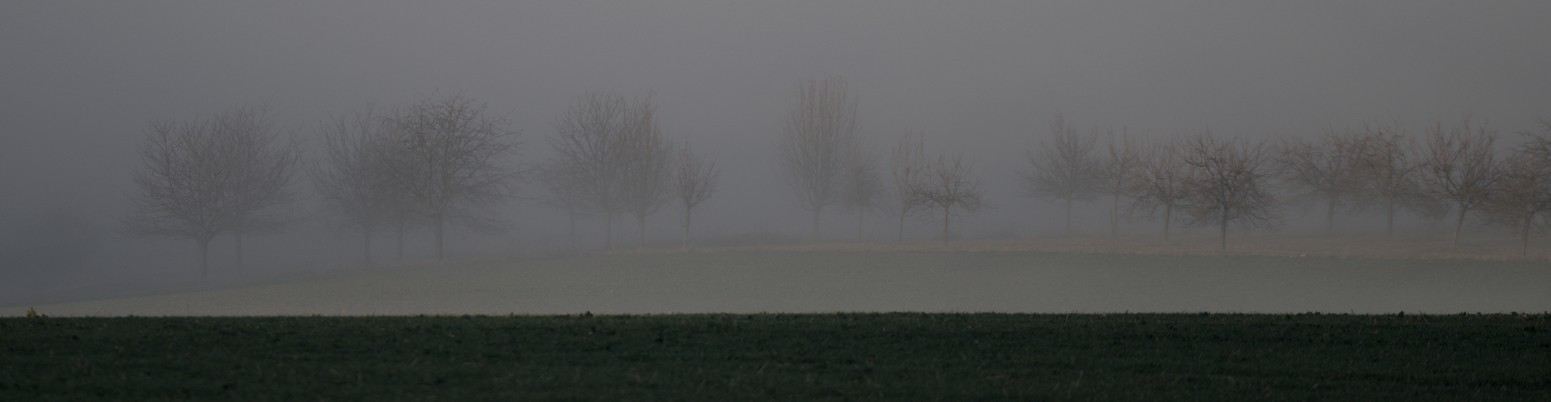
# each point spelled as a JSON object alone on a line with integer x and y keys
{"x": 1087, "y": 276}
{"x": 1405, "y": 244}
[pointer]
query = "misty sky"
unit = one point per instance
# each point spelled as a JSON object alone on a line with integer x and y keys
{"x": 82, "y": 79}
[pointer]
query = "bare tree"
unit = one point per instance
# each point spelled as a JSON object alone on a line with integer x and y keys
{"x": 590, "y": 138}
{"x": 1458, "y": 166}
{"x": 950, "y": 184}
{"x": 863, "y": 185}
{"x": 402, "y": 220}
{"x": 228, "y": 173}
{"x": 352, "y": 177}
{"x": 647, "y": 165}
{"x": 1521, "y": 196}
{"x": 1120, "y": 165}
{"x": 1229, "y": 185}
{"x": 452, "y": 159}
{"x": 908, "y": 168}
{"x": 1388, "y": 171}
{"x": 263, "y": 169}
{"x": 819, "y": 133}
{"x": 1160, "y": 182}
{"x": 183, "y": 186}
{"x": 1537, "y": 144}
{"x": 1063, "y": 168}
{"x": 1326, "y": 169}
{"x": 696, "y": 181}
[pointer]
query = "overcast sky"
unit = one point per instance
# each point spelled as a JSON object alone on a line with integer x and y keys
{"x": 80, "y": 80}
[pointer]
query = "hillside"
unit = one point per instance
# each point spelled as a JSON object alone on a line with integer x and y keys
{"x": 831, "y": 281}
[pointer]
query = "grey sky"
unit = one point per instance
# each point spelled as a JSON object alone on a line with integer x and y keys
{"x": 81, "y": 80}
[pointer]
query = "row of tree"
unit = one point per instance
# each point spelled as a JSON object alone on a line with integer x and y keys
{"x": 440, "y": 162}
{"x": 1213, "y": 181}
{"x": 611, "y": 159}
{"x": 1225, "y": 183}
{"x": 446, "y": 161}
{"x": 827, "y": 163}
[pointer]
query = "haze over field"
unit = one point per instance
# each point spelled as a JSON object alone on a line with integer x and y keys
{"x": 83, "y": 82}
{"x": 827, "y": 281}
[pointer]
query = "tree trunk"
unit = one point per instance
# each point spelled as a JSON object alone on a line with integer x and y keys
{"x": 571, "y": 214}
{"x": 640, "y": 224}
{"x": 1389, "y": 211}
{"x": 1068, "y": 216}
{"x": 901, "y": 235}
{"x": 817, "y": 212}
{"x": 860, "y": 215}
{"x": 1330, "y": 214}
{"x": 608, "y": 230}
{"x": 945, "y": 215}
{"x": 1459, "y": 222}
{"x": 204, "y": 257}
{"x": 436, "y": 229}
{"x": 1168, "y": 209}
{"x": 238, "y": 237}
{"x": 366, "y": 246}
{"x": 1222, "y": 232}
{"x": 686, "y": 227}
{"x": 1114, "y": 217}
{"x": 398, "y": 244}
{"x": 1524, "y": 235}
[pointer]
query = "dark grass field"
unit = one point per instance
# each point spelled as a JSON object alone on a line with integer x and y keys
{"x": 817, "y": 356}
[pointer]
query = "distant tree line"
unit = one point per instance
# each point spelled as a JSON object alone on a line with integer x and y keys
{"x": 442, "y": 161}
{"x": 445, "y": 161}
{"x": 1450, "y": 170}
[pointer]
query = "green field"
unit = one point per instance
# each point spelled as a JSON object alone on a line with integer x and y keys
{"x": 818, "y": 356}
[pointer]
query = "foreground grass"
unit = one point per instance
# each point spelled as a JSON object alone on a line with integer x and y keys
{"x": 736, "y": 357}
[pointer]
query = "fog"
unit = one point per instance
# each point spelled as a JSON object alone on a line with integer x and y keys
{"x": 82, "y": 81}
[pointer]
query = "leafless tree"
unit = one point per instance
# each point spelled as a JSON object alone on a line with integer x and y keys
{"x": 1388, "y": 171}
{"x": 183, "y": 185}
{"x": 590, "y": 138}
{"x": 909, "y": 169}
{"x": 1160, "y": 182}
{"x": 1119, "y": 167}
{"x": 452, "y": 160}
{"x": 1537, "y": 144}
{"x": 1458, "y": 165}
{"x": 647, "y": 165}
{"x": 198, "y": 179}
{"x": 863, "y": 185}
{"x": 402, "y": 220}
{"x": 564, "y": 188}
{"x": 352, "y": 177}
{"x": 696, "y": 181}
{"x": 951, "y": 184}
{"x": 819, "y": 133}
{"x": 1229, "y": 185}
{"x": 1326, "y": 169}
{"x": 1521, "y": 196}
{"x": 263, "y": 167}
{"x": 1063, "y": 168}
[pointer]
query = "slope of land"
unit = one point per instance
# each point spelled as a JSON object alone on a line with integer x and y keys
{"x": 796, "y": 281}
